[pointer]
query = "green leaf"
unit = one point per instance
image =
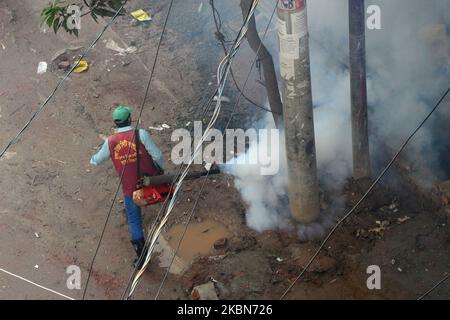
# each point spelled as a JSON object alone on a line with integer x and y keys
{"x": 94, "y": 16}
{"x": 55, "y": 13}
{"x": 56, "y": 25}
{"x": 115, "y": 4}
{"x": 104, "y": 12}
{"x": 50, "y": 19}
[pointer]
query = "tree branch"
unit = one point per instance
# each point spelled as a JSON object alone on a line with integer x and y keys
{"x": 273, "y": 93}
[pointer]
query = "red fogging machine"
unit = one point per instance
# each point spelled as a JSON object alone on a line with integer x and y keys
{"x": 156, "y": 189}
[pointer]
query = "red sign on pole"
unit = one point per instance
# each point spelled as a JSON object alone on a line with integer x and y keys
{"x": 291, "y": 5}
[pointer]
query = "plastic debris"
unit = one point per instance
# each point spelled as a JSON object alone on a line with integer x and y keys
{"x": 9, "y": 155}
{"x": 401, "y": 220}
{"x": 381, "y": 228}
{"x": 42, "y": 67}
{"x": 160, "y": 128}
{"x": 156, "y": 128}
{"x": 217, "y": 258}
{"x": 36, "y": 266}
{"x": 37, "y": 235}
{"x": 112, "y": 45}
{"x": 205, "y": 291}
{"x": 392, "y": 206}
{"x": 141, "y": 15}
{"x": 3, "y": 46}
{"x": 82, "y": 66}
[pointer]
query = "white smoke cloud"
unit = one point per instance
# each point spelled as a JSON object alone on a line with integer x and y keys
{"x": 406, "y": 77}
{"x": 264, "y": 194}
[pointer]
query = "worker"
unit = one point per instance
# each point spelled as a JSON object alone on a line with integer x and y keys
{"x": 151, "y": 162}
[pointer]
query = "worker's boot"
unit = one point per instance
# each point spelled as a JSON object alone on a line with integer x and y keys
{"x": 139, "y": 247}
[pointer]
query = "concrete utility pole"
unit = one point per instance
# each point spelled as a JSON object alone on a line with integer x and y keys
{"x": 298, "y": 110}
{"x": 360, "y": 134}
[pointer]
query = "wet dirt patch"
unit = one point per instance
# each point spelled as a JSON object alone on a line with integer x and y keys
{"x": 199, "y": 239}
{"x": 198, "y": 242}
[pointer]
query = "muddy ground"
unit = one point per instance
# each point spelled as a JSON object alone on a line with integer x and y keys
{"x": 53, "y": 204}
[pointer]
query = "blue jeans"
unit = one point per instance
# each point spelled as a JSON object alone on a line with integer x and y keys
{"x": 134, "y": 219}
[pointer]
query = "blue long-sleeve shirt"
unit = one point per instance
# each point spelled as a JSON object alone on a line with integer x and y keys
{"x": 104, "y": 153}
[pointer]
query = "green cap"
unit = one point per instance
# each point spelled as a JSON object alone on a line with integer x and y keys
{"x": 121, "y": 114}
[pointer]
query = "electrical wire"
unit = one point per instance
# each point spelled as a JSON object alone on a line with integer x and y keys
{"x": 152, "y": 230}
{"x": 129, "y": 149}
{"x": 434, "y": 287}
{"x": 377, "y": 180}
{"x": 222, "y": 74}
{"x": 191, "y": 214}
{"x": 222, "y": 40}
{"x": 35, "y": 284}
{"x": 42, "y": 106}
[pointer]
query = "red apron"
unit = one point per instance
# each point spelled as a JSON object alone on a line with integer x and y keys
{"x": 119, "y": 147}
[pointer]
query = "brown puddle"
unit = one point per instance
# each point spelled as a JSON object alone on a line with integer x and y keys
{"x": 198, "y": 240}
